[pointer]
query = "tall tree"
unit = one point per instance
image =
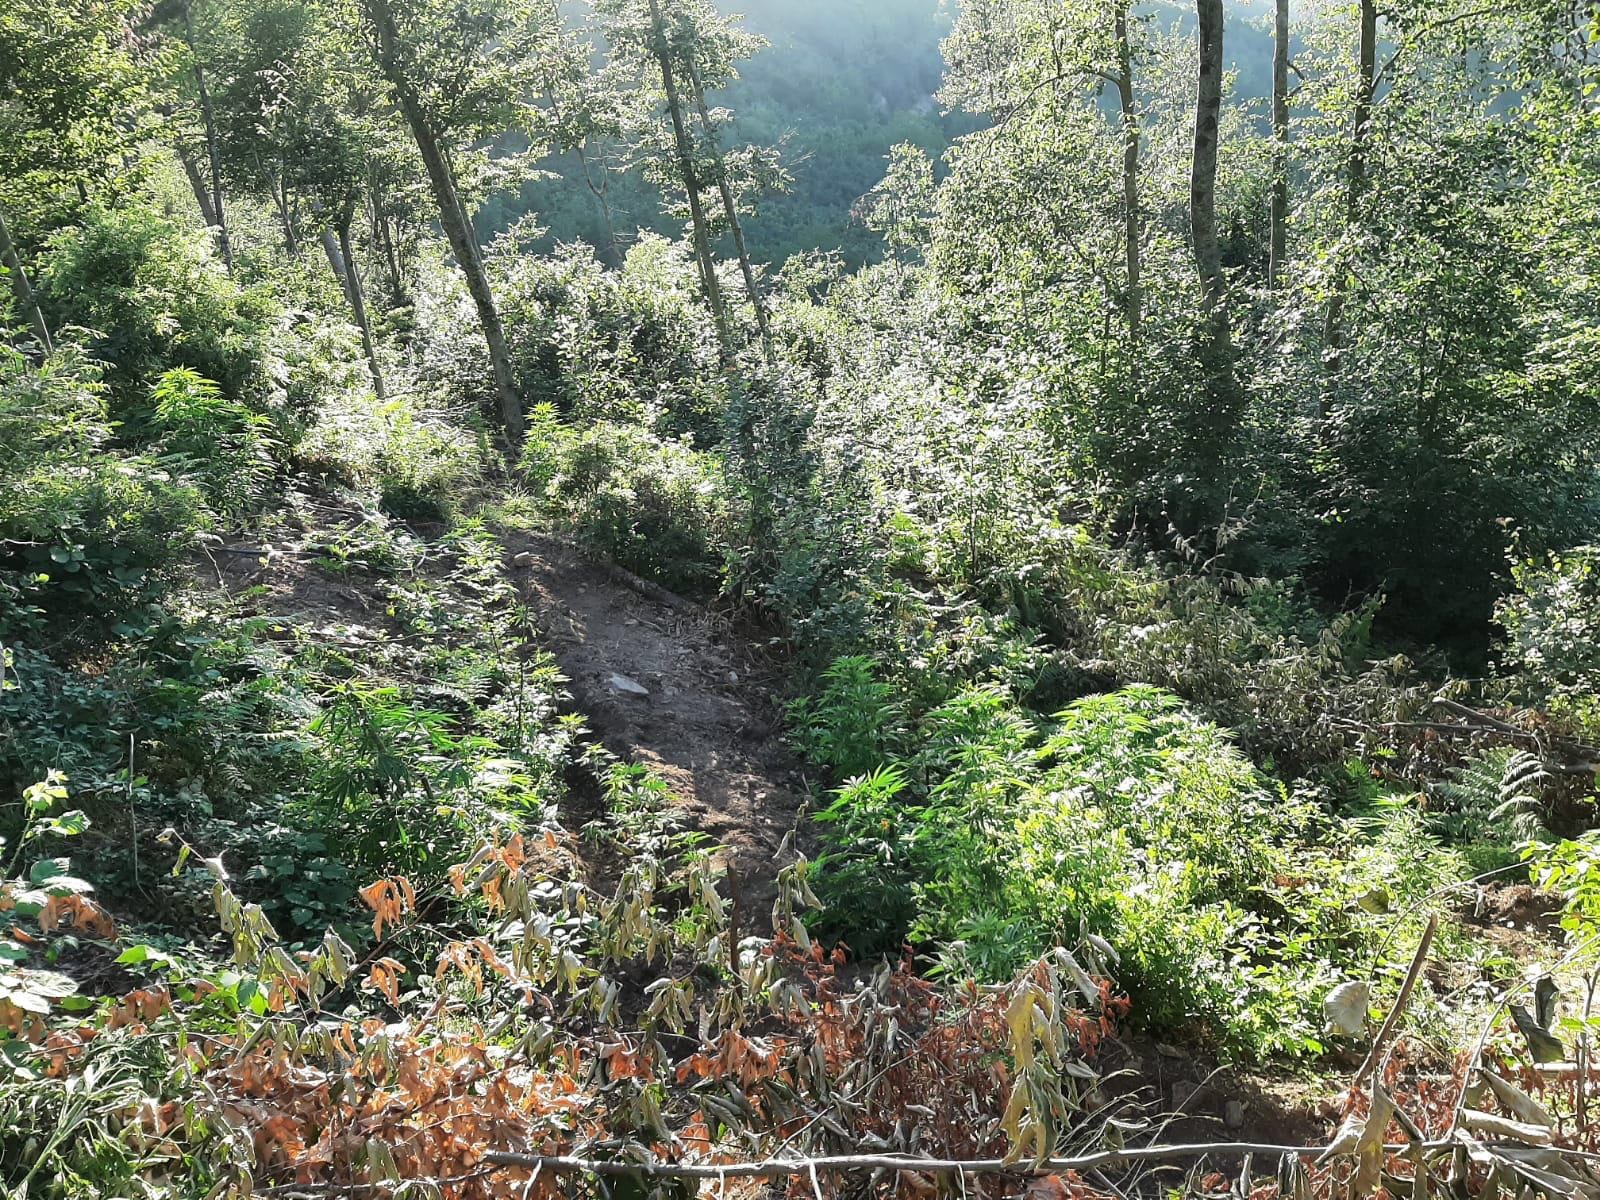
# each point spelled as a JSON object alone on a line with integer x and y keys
{"x": 1217, "y": 350}
{"x": 71, "y": 99}
{"x": 209, "y": 120}
{"x": 1039, "y": 67}
{"x": 458, "y": 72}
{"x": 661, "y": 49}
{"x": 197, "y": 183}
{"x": 1132, "y": 221}
{"x": 22, "y": 288}
{"x": 711, "y": 47}
{"x": 1355, "y": 172}
{"x": 1203, "y": 164}
{"x": 675, "y": 57}
{"x": 264, "y": 93}
{"x": 1278, "y": 233}
{"x": 332, "y": 128}
{"x": 582, "y": 115}
{"x": 356, "y": 292}
{"x": 730, "y": 208}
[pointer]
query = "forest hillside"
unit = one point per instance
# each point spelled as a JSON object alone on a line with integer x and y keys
{"x": 625, "y": 599}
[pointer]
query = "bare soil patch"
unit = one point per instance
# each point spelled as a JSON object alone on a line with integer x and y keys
{"x": 709, "y": 725}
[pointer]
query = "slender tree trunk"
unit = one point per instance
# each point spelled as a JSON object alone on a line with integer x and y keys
{"x": 1203, "y": 167}
{"x": 457, "y": 229}
{"x": 731, "y": 210}
{"x": 358, "y": 302}
{"x": 280, "y": 201}
{"x": 602, "y": 194}
{"x": 1132, "y": 220}
{"x": 601, "y": 190}
{"x": 1356, "y": 174}
{"x": 691, "y": 182}
{"x": 1278, "y": 242}
{"x": 26, "y": 300}
{"x": 330, "y": 247}
{"x": 224, "y": 243}
{"x": 1217, "y": 350}
{"x": 383, "y": 238}
{"x": 197, "y": 183}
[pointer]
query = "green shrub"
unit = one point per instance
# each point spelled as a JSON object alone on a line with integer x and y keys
{"x": 82, "y": 527}
{"x": 1551, "y": 624}
{"x": 154, "y": 300}
{"x": 212, "y": 439}
{"x": 655, "y": 505}
{"x": 424, "y": 468}
{"x": 848, "y": 724}
{"x": 1233, "y": 904}
{"x": 633, "y": 345}
{"x": 418, "y": 467}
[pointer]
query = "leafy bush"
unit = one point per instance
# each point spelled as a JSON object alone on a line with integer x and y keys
{"x": 416, "y": 464}
{"x": 154, "y": 300}
{"x": 50, "y": 897}
{"x": 1552, "y": 625}
{"x": 213, "y": 439}
{"x": 631, "y": 345}
{"x": 655, "y": 505}
{"x": 82, "y": 527}
{"x": 1233, "y": 904}
{"x": 848, "y": 724}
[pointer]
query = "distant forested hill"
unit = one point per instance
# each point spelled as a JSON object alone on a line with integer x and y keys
{"x": 840, "y": 83}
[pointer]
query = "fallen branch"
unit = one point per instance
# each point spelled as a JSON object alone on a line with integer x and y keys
{"x": 1476, "y": 724}
{"x": 1556, "y": 742}
{"x": 1387, "y": 1029}
{"x": 616, "y": 574}
{"x": 785, "y": 1167}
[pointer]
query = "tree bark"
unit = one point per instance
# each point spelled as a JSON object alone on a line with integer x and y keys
{"x": 1203, "y": 166}
{"x": 330, "y": 247}
{"x": 452, "y": 216}
{"x": 1226, "y": 398}
{"x": 691, "y": 181}
{"x": 1278, "y": 240}
{"x": 22, "y": 288}
{"x": 731, "y": 210}
{"x": 1133, "y": 303}
{"x": 383, "y": 238}
{"x": 197, "y": 183}
{"x": 601, "y": 194}
{"x": 358, "y": 302}
{"x": 280, "y": 201}
{"x": 213, "y": 154}
{"x": 1355, "y": 173}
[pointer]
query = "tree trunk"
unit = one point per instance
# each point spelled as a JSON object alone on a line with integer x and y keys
{"x": 731, "y": 210}
{"x": 1356, "y": 174}
{"x": 1203, "y": 167}
{"x": 602, "y": 194}
{"x": 1278, "y": 242}
{"x": 691, "y": 182}
{"x": 26, "y": 300}
{"x": 457, "y": 229}
{"x": 1222, "y": 419}
{"x": 197, "y": 183}
{"x": 330, "y": 247}
{"x": 383, "y": 238}
{"x": 280, "y": 201}
{"x": 1133, "y": 302}
{"x": 358, "y": 302}
{"x": 224, "y": 243}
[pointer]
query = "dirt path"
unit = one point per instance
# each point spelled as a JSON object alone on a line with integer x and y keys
{"x": 708, "y": 726}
